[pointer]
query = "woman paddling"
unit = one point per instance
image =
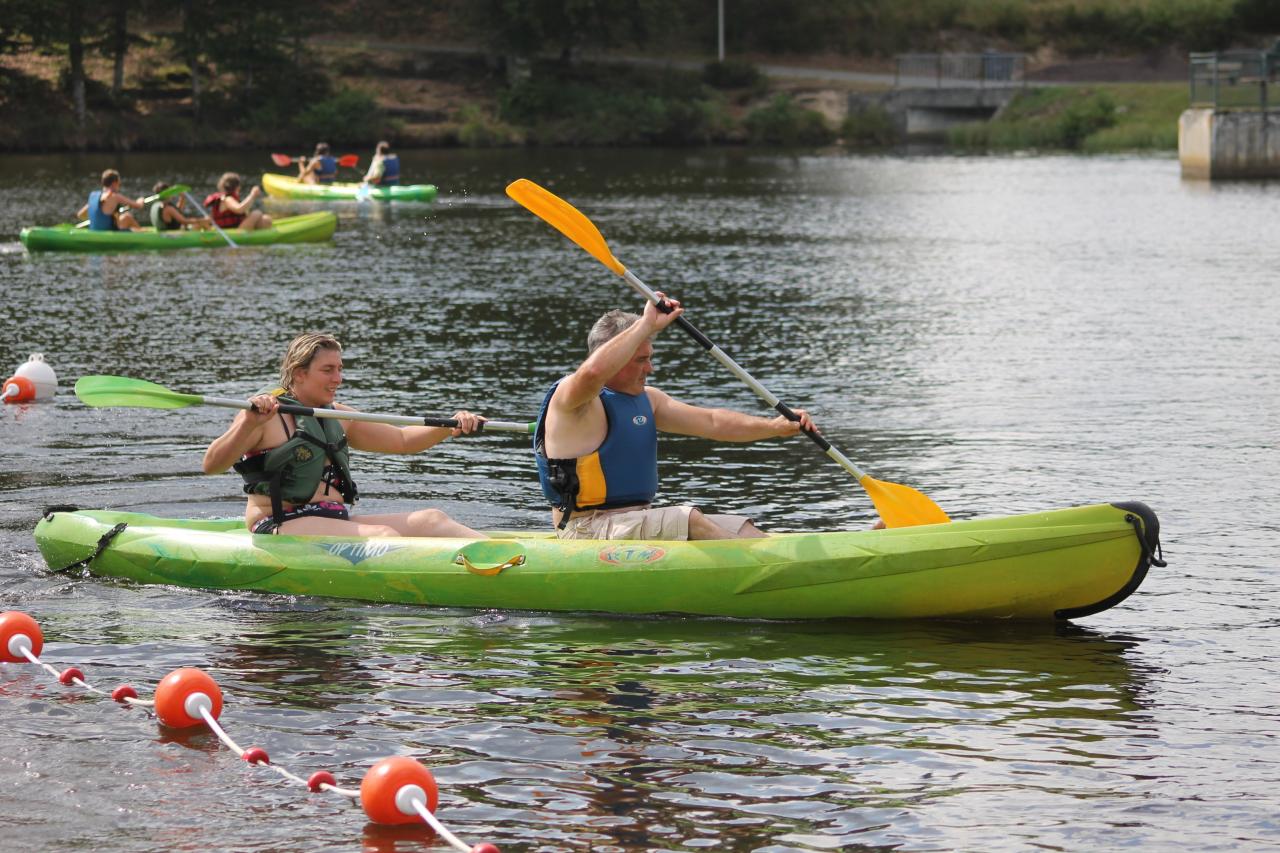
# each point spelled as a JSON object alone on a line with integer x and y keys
{"x": 296, "y": 468}
{"x": 228, "y": 211}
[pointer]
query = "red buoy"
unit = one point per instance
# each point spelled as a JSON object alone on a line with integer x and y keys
{"x": 19, "y": 631}
{"x": 123, "y": 692}
{"x": 320, "y": 777}
{"x": 390, "y": 787}
{"x": 181, "y": 694}
{"x": 256, "y": 755}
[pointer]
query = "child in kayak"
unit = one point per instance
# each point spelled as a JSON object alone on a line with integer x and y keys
{"x": 596, "y": 440}
{"x": 296, "y": 467}
{"x": 322, "y": 168}
{"x": 384, "y": 169}
{"x": 102, "y": 209}
{"x": 166, "y": 213}
{"x": 228, "y": 211}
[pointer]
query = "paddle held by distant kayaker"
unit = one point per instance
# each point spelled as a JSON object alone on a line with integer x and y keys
{"x": 228, "y": 211}
{"x": 296, "y": 468}
{"x": 103, "y": 207}
{"x": 322, "y": 168}
{"x": 596, "y": 440}
{"x": 384, "y": 168}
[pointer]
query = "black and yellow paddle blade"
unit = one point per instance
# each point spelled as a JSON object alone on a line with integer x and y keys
{"x": 902, "y": 506}
{"x": 121, "y": 391}
{"x": 566, "y": 219}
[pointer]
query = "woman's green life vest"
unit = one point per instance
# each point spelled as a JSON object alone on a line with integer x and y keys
{"x": 291, "y": 472}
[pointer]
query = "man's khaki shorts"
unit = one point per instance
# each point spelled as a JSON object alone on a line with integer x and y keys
{"x": 671, "y": 522}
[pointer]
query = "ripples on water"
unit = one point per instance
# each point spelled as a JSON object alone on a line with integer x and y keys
{"x": 1004, "y": 334}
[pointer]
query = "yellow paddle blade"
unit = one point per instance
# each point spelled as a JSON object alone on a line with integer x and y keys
{"x": 902, "y": 506}
{"x": 566, "y": 219}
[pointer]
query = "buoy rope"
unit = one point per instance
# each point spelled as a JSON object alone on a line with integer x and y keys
{"x": 72, "y": 675}
{"x": 393, "y": 791}
{"x": 420, "y": 806}
{"x": 238, "y": 750}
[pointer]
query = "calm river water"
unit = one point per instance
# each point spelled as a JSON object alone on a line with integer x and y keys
{"x": 1004, "y": 334}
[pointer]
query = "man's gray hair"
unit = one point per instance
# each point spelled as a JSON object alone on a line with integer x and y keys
{"x": 609, "y": 327}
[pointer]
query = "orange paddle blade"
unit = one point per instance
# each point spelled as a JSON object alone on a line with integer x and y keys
{"x": 902, "y": 506}
{"x": 281, "y": 159}
{"x": 566, "y": 219}
{"x": 348, "y": 161}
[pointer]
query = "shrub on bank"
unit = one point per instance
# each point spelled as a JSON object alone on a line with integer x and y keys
{"x": 350, "y": 116}
{"x": 784, "y": 122}
{"x": 1049, "y": 118}
{"x": 732, "y": 74}
{"x": 599, "y": 106}
{"x": 869, "y": 127}
{"x": 478, "y": 129}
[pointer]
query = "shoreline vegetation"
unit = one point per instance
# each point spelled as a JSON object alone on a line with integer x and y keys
{"x": 236, "y": 74}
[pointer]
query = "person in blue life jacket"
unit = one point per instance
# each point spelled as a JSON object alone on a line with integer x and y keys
{"x": 102, "y": 209}
{"x": 296, "y": 468}
{"x": 384, "y": 169}
{"x": 596, "y": 439}
{"x": 322, "y": 168}
{"x": 166, "y": 214}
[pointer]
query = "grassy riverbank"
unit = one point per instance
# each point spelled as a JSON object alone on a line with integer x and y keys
{"x": 1094, "y": 119}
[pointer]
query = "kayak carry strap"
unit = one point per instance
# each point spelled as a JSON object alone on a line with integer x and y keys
{"x": 1153, "y": 553}
{"x": 103, "y": 542}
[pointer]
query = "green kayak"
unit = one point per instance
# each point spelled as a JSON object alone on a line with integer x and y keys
{"x": 283, "y": 186}
{"x": 1059, "y": 564}
{"x": 308, "y": 228}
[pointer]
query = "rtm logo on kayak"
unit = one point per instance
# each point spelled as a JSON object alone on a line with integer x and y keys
{"x": 631, "y": 555}
{"x": 358, "y": 552}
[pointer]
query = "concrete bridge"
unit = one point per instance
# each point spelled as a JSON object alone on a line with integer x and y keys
{"x": 935, "y": 91}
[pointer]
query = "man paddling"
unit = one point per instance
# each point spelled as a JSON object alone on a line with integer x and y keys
{"x": 596, "y": 440}
{"x": 296, "y": 469}
{"x": 103, "y": 204}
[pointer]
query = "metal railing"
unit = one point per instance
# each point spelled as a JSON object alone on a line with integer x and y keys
{"x": 960, "y": 70}
{"x": 1234, "y": 79}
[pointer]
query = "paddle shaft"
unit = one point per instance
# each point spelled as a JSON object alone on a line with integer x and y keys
{"x": 736, "y": 369}
{"x": 205, "y": 214}
{"x": 340, "y": 414}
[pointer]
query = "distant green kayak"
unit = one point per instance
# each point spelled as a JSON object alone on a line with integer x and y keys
{"x": 1060, "y": 564}
{"x": 307, "y": 228}
{"x": 283, "y": 186}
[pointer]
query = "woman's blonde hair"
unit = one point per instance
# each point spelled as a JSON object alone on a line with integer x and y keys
{"x": 302, "y": 350}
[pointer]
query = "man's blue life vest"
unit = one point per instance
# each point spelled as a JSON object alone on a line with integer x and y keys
{"x": 98, "y": 219}
{"x": 622, "y": 471}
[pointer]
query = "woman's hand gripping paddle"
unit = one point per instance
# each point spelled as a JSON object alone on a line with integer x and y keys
{"x": 898, "y": 505}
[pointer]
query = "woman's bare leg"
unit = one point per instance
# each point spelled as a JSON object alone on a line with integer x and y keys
{"x": 424, "y": 522}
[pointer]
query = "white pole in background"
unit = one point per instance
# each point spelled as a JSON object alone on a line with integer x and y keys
{"x": 720, "y": 5}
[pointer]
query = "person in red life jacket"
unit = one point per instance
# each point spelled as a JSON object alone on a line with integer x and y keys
{"x": 166, "y": 213}
{"x": 228, "y": 211}
{"x": 322, "y": 168}
{"x": 296, "y": 468}
{"x": 102, "y": 209}
{"x": 384, "y": 168}
{"x": 596, "y": 440}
